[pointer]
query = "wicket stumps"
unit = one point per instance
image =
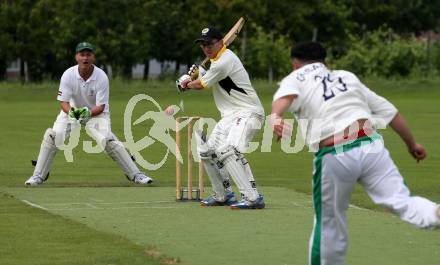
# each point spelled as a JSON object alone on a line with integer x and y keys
{"x": 182, "y": 193}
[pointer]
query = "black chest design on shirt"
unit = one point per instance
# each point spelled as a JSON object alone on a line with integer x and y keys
{"x": 228, "y": 85}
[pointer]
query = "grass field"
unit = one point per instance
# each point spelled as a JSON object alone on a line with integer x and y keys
{"x": 88, "y": 213}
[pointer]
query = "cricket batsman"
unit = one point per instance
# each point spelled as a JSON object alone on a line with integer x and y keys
{"x": 242, "y": 115}
{"x": 84, "y": 100}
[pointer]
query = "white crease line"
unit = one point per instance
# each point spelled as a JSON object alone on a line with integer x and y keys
{"x": 358, "y": 208}
{"x": 106, "y": 203}
{"x": 34, "y": 205}
{"x": 136, "y": 202}
{"x": 113, "y": 208}
{"x": 94, "y": 206}
{"x": 96, "y": 200}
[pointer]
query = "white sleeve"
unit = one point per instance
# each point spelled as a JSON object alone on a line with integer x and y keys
{"x": 102, "y": 95}
{"x": 217, "y": 72}
{"x": 381, "y": 109}
{"x": 65, "y": 90}
{"x": 288, "y": 86}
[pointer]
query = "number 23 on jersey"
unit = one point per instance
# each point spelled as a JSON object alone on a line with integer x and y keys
{"x": 331, "y": 86}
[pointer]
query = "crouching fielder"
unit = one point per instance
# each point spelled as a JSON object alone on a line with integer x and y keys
{"x": 242, "y": 116}
{"x": 84, "y": 99}
{"x": 342, "y": 114}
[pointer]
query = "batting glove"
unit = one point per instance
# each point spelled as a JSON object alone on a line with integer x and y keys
{"x": 196, "y": 71}
{"x": 182, "y": 80}
{"x": 193, "y": 71}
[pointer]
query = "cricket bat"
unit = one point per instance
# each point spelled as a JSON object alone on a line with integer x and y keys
{"x": 227, "y": 40}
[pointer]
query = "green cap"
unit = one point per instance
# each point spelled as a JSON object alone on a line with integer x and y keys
{"x": 84, "y": 46}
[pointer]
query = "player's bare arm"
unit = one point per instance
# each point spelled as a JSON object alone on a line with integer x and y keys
{"x": 401, "y": 128}
{"x": 185, "y": 83}
{"x": 96, "y": 110}
{"x": 65, "y": 106}
{"x": 280, "y": 106}
{"x": 196, "y": 84}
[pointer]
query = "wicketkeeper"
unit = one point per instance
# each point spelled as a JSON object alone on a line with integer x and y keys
{"x": 242, "y": 116}
{"x": 84, "y": 100}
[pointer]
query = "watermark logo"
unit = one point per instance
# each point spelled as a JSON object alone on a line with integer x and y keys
{"x": 159, "y": 131}
{"x": 161, "y": 126}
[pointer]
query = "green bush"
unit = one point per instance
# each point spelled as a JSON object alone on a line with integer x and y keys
{"x": 383, "y": 53}
{"x": 267, "y": 53}
{"x": 435, "y": 56}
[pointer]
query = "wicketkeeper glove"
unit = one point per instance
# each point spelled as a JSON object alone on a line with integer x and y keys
{"x": 179, "y": 82}
{"x": 72, "y": 113}
{"x": 84, "y": 115}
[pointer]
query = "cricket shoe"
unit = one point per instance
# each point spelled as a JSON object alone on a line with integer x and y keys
{"x": 34, "y": 180}
{"x": 245, "y": 204}
{"x": 140, "y": 178}
{"x": 211, "y": 201}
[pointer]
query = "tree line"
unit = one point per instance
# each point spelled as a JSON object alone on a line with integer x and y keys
{"x": 44, "y": 33}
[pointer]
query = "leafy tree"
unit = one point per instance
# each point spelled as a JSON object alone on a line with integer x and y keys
{"x": 26, "y": 28}
{"x": 403, "y": 16}
{"x": 166, "y": 22}
{"x": 40, "y": 47}
{"x": 15, "y": 29}
{"x": 43, "y": 33}
{"x": 436, "y": 56}
{"x": 270, "y": 56}
{"x": 114, "y": 27}
{"x": 7, "y": 27}
{"x": 382, "y": 53}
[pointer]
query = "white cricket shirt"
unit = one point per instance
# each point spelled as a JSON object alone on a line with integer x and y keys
{"x": 230, "y": 84}
{"x": 329, "y": 101}
{"x": 80, "y": 93}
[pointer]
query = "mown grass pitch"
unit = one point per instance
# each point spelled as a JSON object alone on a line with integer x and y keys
{"x": 93, "y": 215}
{"x": 149, "y": 217}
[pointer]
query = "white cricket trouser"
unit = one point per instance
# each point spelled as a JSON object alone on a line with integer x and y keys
{"x": 98, "y": 127}
{"x": 336, "y": 171}
{"x": 234, "y": 132}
